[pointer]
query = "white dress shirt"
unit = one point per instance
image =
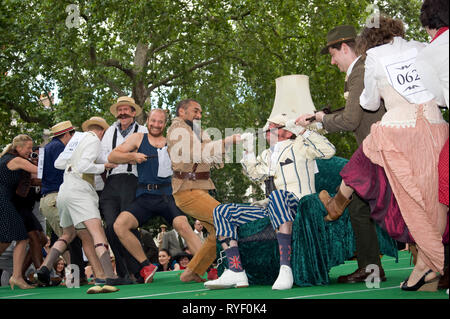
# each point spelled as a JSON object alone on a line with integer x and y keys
{"x": 433, "y": 67}
{"x": 375, "y": 75}
{"x": 107, "y": 142}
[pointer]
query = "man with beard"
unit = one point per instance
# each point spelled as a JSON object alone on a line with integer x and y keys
{"x": 154, "y": 191}
{"x": 193, "y": 154}
{"x": 121, "y": 182}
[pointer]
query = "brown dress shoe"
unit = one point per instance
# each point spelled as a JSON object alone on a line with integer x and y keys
{"x": 335, "y": 206}
{"x": 359, "y": 275}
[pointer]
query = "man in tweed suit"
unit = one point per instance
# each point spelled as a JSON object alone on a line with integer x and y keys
{"x": 353, "y": 118}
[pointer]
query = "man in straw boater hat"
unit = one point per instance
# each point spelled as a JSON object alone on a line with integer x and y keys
{"x": 77, "y": 203}
{"x": 352, "y": 118}
{"x": 121, "y": 182}
{"x": 52, "y": 178}
{"x": 154, "y": 192}
{"x": 287, "y": 168}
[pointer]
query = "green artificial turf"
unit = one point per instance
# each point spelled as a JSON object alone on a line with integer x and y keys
{"x": 166, "y": 285}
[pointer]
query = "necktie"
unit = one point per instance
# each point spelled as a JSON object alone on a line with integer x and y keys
{"x": 180, "y": 240}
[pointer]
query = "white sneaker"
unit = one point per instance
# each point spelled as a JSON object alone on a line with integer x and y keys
{"x": 229, "y": 279}
{"x": 285, "y": 279}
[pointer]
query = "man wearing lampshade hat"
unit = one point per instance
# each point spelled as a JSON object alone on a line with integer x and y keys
{"x": 77, "y": 202}
{"x": 287, "y": 168}
{"x": 341, "y": 43}
{"x": 121, "y": 182}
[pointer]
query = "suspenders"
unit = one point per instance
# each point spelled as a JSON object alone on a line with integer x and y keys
{"x": 114, "y": 142}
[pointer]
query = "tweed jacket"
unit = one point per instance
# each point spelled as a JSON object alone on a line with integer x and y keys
{"x": 354, "y": 118}
{"x": 171, "y": 242}
{"x": 186, "y": 148}
{"x": 295, "y": 167}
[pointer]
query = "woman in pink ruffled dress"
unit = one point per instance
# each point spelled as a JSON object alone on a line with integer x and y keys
{"x": 395, "y": 168}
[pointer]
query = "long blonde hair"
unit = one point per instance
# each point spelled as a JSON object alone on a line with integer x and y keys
{"x": 19, "y": 140}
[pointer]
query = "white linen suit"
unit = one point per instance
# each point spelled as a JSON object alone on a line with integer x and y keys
{"x": 77, "y": 199}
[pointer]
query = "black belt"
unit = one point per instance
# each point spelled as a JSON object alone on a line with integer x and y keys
{"x": 270, "y": 185}
{"x": 151, "y": 187}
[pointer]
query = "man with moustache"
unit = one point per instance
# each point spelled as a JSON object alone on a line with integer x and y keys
{"x": 121, "y": 182}
{"x": 154, "y": 191}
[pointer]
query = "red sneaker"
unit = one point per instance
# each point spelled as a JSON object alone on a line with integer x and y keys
{"x": 147, "y": 273}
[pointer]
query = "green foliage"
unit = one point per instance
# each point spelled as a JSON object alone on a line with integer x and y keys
{"x": 226, "y": 54}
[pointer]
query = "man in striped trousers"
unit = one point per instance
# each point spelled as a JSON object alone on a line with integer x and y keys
{"x": 287, "y": 167}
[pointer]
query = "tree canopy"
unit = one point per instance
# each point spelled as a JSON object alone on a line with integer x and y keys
{"x": 225, "y": 54}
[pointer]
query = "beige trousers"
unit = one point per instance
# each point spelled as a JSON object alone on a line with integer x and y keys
{"x": 200, "y": 205}
{"x": 48, "y": 209}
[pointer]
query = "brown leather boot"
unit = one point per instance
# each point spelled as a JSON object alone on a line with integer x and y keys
{"x": 335, "y": 206}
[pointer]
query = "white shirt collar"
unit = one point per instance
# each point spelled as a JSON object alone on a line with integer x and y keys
{"x": 350, "y": 68}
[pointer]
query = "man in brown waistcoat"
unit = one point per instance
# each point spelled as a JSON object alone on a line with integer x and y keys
{"x": 193, "y": 154}
{"x": 341, "y": 46}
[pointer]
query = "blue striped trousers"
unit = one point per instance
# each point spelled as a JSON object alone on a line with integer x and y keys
{"x": 282, "y": 208}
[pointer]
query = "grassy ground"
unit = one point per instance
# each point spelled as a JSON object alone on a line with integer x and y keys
{"x": 166, "y": 285}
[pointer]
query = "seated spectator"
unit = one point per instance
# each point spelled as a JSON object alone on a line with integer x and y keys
{"x": 166, "y": 263}
{"x": 198, "y": 230}
{"x": 59, "y": 273}
{"x": 183, "y": 259}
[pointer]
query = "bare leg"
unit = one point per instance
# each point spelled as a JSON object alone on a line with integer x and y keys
{"x": 59, "y": 247}
{"x": 35, "y": 249}
{"x": 123, "y": 226}
{"x": 285, "y": 228}
{"x": 97, "y": 232}
{"x": 347, "y": 191}
{"x": 20, "y": 251}
{"x": 419, "y": 270}
{"x": 88, "y": 248}
{"x": 185, "y": 230}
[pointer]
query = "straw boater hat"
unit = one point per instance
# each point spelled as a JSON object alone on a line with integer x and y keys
{"x": 97, "y": 120}
{"x": 342, "y": 33}
{"x": 61, "y": 128}
{"x": 125, "y": 100}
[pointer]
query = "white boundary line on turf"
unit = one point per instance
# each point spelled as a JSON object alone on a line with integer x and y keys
{"x": 164, "y": 293}
{"x": 344, "y": 292}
